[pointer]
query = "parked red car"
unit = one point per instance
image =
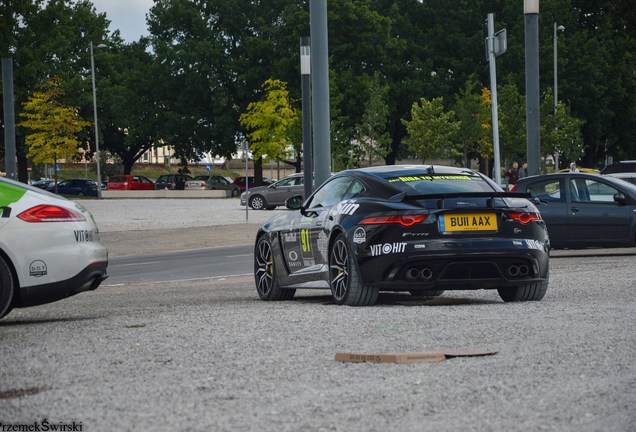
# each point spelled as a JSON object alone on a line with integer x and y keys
{"x": 130, "y": 182}
{"x": 240, "y": 182}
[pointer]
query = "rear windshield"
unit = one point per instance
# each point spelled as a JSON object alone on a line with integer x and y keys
{"x": 118, "y": 179}
{"x": 441, "y": 183}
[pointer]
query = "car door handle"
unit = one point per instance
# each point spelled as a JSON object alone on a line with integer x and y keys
{"x": 575, "y": 209}
{"x": 330, "y": 218}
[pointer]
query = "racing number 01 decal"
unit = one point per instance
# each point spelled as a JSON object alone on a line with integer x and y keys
{"x": 305, "y": 240}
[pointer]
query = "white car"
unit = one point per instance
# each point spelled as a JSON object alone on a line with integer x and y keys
{"x": 49, "y": 247}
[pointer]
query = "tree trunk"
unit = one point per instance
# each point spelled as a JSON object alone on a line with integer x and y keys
{"x": 20, "y": 153}
{"x": 390, "y": 158}
{"x": 258, "y": 170}
{"x": 128, "y": 162}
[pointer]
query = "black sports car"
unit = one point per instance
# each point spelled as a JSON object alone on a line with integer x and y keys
{"x": 421, "y": 229}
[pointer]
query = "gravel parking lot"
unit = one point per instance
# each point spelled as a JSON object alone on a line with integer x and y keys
{"x": 208, "y": 355}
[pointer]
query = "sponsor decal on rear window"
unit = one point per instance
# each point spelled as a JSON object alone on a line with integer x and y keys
{"x": 432, "y": 178}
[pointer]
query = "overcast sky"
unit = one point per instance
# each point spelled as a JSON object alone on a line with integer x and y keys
{"x": 127, "y": 16}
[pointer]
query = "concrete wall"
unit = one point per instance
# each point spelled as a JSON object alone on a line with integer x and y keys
{"x": 166, "y": 194}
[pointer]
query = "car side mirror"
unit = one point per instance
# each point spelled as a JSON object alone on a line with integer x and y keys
{"x": 620, "y": 198}
{"x": 272, "y": 186}
{"x": 294, "y": 203}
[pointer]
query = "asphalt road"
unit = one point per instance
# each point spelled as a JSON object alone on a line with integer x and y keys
{"x": 199, "y": 264}
{"x": 208, "y": 355}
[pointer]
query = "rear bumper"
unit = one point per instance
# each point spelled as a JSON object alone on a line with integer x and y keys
{"x": 86, "y": 280}
{"x": 491, "y": 267}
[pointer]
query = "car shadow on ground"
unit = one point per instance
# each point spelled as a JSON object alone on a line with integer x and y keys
{"x": 400, "y": 299}
{"x": 8, "y": 322}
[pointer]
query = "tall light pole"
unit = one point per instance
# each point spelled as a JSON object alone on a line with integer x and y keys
{"x": 320, "y": 90}
{"x": 305, "y": 74}
{"x": 99, "y": 175}
{"x": 533, "y": 122}
{"x": 556, "y": 93}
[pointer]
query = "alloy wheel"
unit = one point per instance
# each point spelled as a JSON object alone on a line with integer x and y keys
{"x": 264, "y": 263}
{"x": 339, "y": 269}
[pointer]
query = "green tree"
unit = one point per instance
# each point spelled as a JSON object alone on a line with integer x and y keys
{"x": 371, "y": 133}
{"x": 475, "y": 131}
{"x": 271, "y": 122}
{"x": 53, "y": 125}
{"x": 560, "y": 132}
{"x": 432, "y": 130}
{"x": 512, "y": 123}
{"x": 130, "y": 117}
{"x": 41, "y": 50}
{"x": 215, "y": 55}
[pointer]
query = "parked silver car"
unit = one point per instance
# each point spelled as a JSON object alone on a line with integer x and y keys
{"x": 217, "y": 182}
{"x": 269, "y": 197}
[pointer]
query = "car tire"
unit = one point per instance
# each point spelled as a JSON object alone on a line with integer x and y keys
{"x": 530, "y": 292}
{"x": 235, "y": 193}
{"x": 344, "y": 278}
{"x": 265, "y": 275}
{"x": 7, "y": 288}
{"x": 257, "y": 202}
{"x": 426, "y": 293}
{"x": 81, "y": 194}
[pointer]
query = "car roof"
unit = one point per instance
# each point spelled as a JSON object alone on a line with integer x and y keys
{"x": 622, "y": 166}
{"x": 584, "y": 175}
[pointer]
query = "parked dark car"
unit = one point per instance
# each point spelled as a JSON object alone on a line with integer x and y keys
{"x": 584, "y": 210}
{"x": 414, "y": 228}
{"x": 240, "y": 182}
{"x": 130, "y": 182}
{"x": 620, "y": 167}
{"x": 79, "y": 187}
{"x": 42, "y": 184}
{"x": 172, "y": 181}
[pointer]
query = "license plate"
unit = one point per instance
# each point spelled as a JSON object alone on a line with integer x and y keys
{"x": 468, "y": 222}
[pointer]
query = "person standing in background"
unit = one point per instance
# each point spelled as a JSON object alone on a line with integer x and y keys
{"x": 512, "y": 175}
{"x": 523, "y": 171}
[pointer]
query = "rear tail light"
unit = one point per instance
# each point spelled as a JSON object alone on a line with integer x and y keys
{"x": 525, "y": 217}
{"x": 514, "y": 188}
{"x": 50, "y": 213}
{"x": 404, "y": 220}
{"x": 203, "y": 184}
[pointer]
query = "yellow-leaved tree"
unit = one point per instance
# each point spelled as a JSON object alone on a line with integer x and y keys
{"x": 271, "y": 122}
{"x": 53, "y": 125}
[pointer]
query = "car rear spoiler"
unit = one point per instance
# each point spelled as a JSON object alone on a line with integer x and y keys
{"x": 404, "y": 196}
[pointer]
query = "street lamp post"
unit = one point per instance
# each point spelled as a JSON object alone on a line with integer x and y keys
{"x": 305, "y": 74}
{"x": 99, "y": 175}
{"x": 556, "y": 94}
